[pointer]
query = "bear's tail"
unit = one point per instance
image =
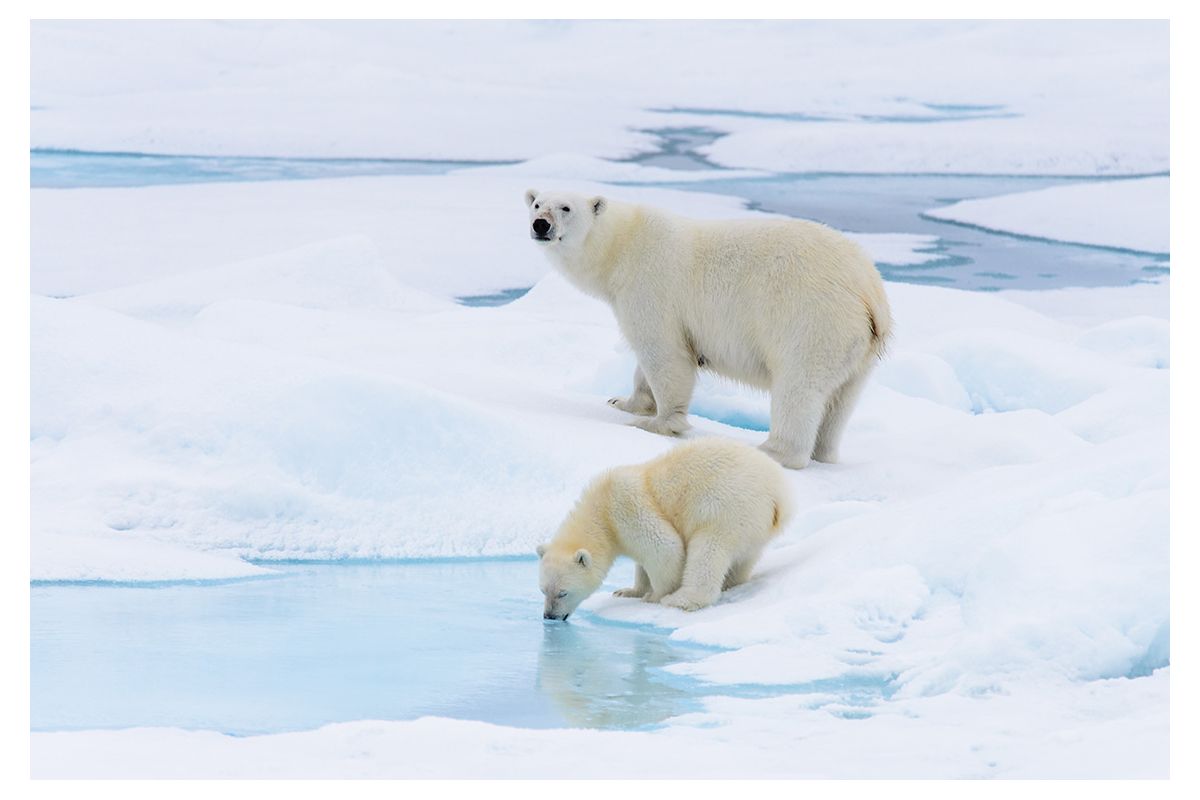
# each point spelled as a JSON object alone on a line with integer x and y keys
{"x": 879, "y": 318}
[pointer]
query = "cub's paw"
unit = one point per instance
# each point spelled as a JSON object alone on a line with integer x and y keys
{"x": 684, "y": 601}
{"x": 630, "y": 592}
{"x": 671, "y": 426}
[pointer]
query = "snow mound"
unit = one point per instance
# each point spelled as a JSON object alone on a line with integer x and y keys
{"x": 238, "y": 449}
{"x": 338, "y": 274}
{"x": 1006, "y": 371}
{"x": 926, "y": 376}
{"x": 1137, "y": 341}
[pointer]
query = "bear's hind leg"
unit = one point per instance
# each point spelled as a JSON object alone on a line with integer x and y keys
{"x": 641, "y": 402}
{"x": 796, "y": 411}
{"x": 837, "y": 414}
{"x": 704, "y": 570}
{"x": 640, "y": 588}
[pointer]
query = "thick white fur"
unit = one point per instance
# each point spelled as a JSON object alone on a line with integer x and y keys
{"x": 790, "y": 306}
{"x": 694, "y": 519}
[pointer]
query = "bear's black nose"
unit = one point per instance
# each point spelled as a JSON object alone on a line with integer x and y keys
{"x": 541, "y": 227}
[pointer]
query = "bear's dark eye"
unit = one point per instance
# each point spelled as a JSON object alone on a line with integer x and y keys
{"x": 562, "y": 594}
{"x": 535, "y": 205}
{"x": 566, "y": 209}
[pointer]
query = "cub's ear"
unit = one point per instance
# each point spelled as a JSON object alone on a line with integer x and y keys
{"x": 541, "y": 550}
{"x": 530, "y": 196}
{"x": 598, "y": 205}
{"x": 583, "y": 558}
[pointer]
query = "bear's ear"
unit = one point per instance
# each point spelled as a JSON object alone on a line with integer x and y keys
{"x": 598, "y": 205}
{"x": 583, "y": 558}
{"x": 530, "y": 196}
{"x": 541, "y": 550}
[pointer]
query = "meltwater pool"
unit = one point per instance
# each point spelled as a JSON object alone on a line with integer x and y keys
{"x": 331, "y": 642}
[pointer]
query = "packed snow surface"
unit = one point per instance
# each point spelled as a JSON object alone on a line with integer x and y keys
{"x": 332, "y": 401}
{"x": 1129, "y": 214}
{"x": 1042, "y": 97}
{"x": 1102, "y": 729}
{"x": 288, "y": 405}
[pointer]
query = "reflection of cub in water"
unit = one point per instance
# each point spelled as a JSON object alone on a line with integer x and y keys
{"x": 608, "y": 688}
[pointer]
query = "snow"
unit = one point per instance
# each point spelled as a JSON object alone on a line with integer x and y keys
{"x": 288, "y": 405}
{"x": 997, "y": 97}
{"x": 226, "y": 375}
{"x": 109, "y": 556}
{"x": 1037, "y": 143}
{"x": 1095, "y": 213}
{"x": 402, "y": 223}
{"x": 1037, "y": 732}
{"x": 899, "y": 249}
{"x": 331, "y": 401}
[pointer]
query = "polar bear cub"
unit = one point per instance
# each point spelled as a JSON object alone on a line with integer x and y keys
{"x": 694, "y": 519}
{"x": 786, "y": 305}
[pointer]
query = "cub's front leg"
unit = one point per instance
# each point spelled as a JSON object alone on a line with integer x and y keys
{"x": 641, "y": 586}
{"x": 648, "y": 538}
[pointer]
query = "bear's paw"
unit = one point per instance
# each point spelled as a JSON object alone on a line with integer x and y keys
{"x": 673, "y": 425}
{"x": 633, "y": 406}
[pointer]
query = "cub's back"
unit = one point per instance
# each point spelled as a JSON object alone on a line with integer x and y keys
{"x": 713, "y": 479}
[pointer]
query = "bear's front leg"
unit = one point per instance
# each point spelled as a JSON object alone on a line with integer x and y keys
{"x": 640, "y": 588}
{"x": 670, "y": 372}
{"x": 641, "y": 402}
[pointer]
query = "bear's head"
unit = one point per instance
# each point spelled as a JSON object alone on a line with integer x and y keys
{"x": 567, "y": 576}
{"x": 558, "y": 219}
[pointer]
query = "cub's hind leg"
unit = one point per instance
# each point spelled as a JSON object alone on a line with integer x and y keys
{"x": 739, "y": 573}
{"x": 704, "y": 570}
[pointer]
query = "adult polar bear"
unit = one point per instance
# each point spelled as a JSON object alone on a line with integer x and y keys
{"x": 790, "y": 306}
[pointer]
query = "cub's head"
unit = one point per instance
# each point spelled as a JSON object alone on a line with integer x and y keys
{"x": 567, "y": 577}
{"x": 561, "y": 218}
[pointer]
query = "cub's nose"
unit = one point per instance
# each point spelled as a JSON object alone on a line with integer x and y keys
{"x": 541, "y": 227}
